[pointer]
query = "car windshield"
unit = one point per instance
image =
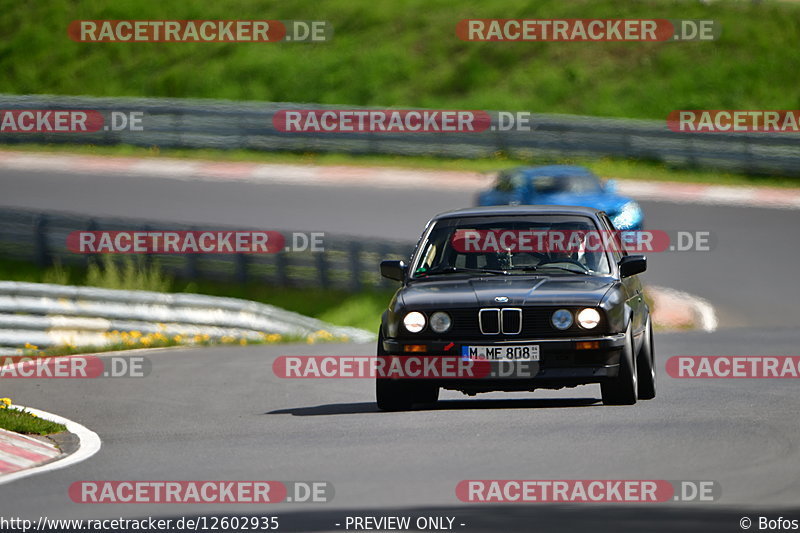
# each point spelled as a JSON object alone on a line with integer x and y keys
{"x": 574, "y": 184}
{"x": 511, "y": 245}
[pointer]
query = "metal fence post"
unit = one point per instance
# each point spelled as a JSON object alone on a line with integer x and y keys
{"x": 41, "y": 253}
{"x": 321, "y": 259}
{"x": 241, "y": 267}
{"x": 191, "y": 263}
{"x": 282, "y": 262}
{"x": 90, "y": 258}
{"x": 354, "y": 250}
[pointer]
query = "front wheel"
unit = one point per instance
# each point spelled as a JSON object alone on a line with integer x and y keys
{"x": 427, "y": 394}
{"x": 646, "y": 366}
{"x": 393, "y": 395}
{"x": 622, "y": 389}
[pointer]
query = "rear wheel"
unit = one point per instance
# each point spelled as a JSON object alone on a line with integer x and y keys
{"x": 622, "y": 389}
{"x": 646, "y": 366}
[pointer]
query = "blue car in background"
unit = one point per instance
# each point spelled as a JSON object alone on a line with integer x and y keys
{"x": 563, "y": 185}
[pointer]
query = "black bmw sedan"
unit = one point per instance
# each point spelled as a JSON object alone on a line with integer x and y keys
{"x": 537, "y": 296}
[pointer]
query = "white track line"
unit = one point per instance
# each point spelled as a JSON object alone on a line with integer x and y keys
{"x": 89, "y": 444}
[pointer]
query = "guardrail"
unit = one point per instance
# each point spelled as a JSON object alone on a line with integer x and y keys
{"x": 346, "y": 262}
{"x": 185, "y": 123}
{"x": 50, "y": 315}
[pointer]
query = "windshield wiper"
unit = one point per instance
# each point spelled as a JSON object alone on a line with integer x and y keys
{"x": 457, "y": 270}
{"x": 536, "y": 268}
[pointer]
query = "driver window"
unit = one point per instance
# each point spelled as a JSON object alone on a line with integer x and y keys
{"x": 510, "y": 181}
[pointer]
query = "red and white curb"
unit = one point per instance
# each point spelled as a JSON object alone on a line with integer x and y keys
{"x": 379, "y": 177}
{"x": 22, "y": 456}
{"x": 675, "y": 309}
{"x": 18, "y": 452}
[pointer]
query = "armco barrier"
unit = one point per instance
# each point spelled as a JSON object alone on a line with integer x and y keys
{"x": 346, "y": 262}
{"x": 184, "y": 123}
{"x": 47, "y": 315}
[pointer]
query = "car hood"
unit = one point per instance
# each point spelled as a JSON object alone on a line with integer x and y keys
{"x": 610, "y": 203}
{"x": 520, "y": 290}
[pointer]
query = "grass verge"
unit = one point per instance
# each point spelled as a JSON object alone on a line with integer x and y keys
{"x": 407, "y": 54}
{"x": 21, "y": 421}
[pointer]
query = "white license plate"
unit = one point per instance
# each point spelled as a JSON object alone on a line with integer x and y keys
{"x": 527, "y": 352}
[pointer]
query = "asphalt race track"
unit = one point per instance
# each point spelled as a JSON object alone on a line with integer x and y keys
{"x": 220, "y": 413}
{"x": 744, "y": 276}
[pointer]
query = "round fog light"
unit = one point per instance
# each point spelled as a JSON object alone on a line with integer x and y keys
{"x": 414, "y": 321}
{"x": 588, "y": 318}
{"x": 440, "y": 322}
{"x": 561, "y": 319}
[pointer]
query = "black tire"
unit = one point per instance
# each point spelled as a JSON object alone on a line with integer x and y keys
{"x": 622, "y": 389}
{"x": 646, "y": 366}
{"x": 427, "y": 394}
{"x": 392, "y": 395}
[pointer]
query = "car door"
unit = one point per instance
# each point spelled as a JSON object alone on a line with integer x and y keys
{"x": 634, "y": 292}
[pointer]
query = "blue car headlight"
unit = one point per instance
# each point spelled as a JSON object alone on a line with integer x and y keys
{"x": 628, "y": 217}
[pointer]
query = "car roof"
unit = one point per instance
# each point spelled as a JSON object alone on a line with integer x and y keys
{"x": 519, "y": 210}
{"x": 554, "y": 170}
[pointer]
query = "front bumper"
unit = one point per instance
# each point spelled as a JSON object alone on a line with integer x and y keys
{"x": 561, "y": 362}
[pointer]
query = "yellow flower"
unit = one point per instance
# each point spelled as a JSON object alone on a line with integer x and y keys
{"x": 273, "y": 337}
{"x": 30, "y": 346}
{"x": 177, "y": 338}
{"x": 146, "y": 341}
{"x": 5, "y": 402}
{"x": 136, "y": 334}
{"x": 243, "y": 341}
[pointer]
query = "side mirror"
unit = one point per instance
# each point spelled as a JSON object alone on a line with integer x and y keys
{"x": 631, "y": 265}
{"x": 611, "y": 186}
{"x": 395, "y": 270}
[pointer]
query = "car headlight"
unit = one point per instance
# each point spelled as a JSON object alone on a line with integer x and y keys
{"x": 440, "y": 321}
{"x": 628, "y": 217}
{"x": 561, "y": 319}
{"x": 414, "y": 321}
{"x": 588, "y": 318}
